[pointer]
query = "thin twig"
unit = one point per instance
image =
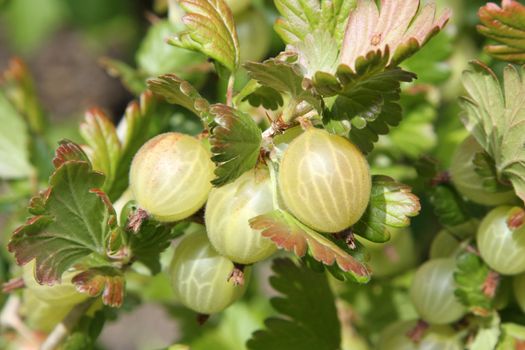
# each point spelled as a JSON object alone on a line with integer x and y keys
{"x": 55, "y": 338}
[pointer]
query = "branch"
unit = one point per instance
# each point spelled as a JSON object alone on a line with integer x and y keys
{"x": 55, "y": 338}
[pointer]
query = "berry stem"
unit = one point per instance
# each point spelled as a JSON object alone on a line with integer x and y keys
{"x": 13, "y": 284}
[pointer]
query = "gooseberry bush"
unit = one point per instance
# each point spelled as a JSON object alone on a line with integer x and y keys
{"x": 341, "y": 162}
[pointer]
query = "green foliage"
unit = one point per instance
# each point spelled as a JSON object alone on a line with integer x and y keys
{"x": 302, "y": 17}
{"x": 474, "y": 282}
{"x": 210, "y": 30}
{"x": 397, "y": 28}
{"x": 70, "y": 220}
{"x": 180, "y": 92}
{"x": 293, "y": 236}
{"x": 505, "y": 25}
{"x": 235, "y": 143}
{"x": 391, "y": 206}
{"x": 367, "y": 97}
{"x": 307, "y": 304}
{"x": 495, "y": 115}
{"x": 151, "y": 240}
{"x": 282, "y": 75}
{"x": 14, "y": 155}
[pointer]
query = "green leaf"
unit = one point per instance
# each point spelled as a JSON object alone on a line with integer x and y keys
{"x": 19, "y": 88}
{"x": 415, "y": 135}
{"x": 368, "y": 97}
{"x": 485, "y": 167}
{"x": 265, "y": 96}
{"x": 283, "y": 76}
{"x": 150, "y": 241}
{"x": 291, "y": 235}
{"x": 310, "y": 318}
{"x": 99, "y": 133}
{"x": 505, "y": 25}
{"x": 132, "y": 80}
{"x": 472, "y": 275}
{"x": 71, "y": 219}
{"x": 156, "y": 57}
{"x": 398, "y": 28}
{"x": 210, "y": 30}
{"x": 449, "y": 207}
{"x": 235, "y": 143}
{"x": 300, "y": 17}
{"x": 14, "y": 139}
{"x": 488, "y": 334}
{"x": 513, "y": 336}
{"x": 495, "y": 115}
{"x": 391, "y": 206}
{"x": 430, "y": 63}
{"x": 180, "y": 92}
{"x": 105, "y": 280}
{"x": 318, "y": 52}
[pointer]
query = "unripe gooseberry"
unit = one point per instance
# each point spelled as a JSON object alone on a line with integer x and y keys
{"x": 466, "y": 179}
{"x": 394, "y": 337}
{"x": 63, "y": 293}
{"x": 228, "y": 211}
{"x": 324, "y": 181}
{"x": 501, "y": 240}
{"x": 170, "y": 176}
{"x": 200, "y": 276}
{"x": 432, "y": 292}
{"x": 444, "y": 245}
{"x": 392, "y": 257}
{"x": 40, "y": 315}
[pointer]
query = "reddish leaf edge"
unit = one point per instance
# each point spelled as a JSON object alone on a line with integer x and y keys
{"x": 288, "y": 233}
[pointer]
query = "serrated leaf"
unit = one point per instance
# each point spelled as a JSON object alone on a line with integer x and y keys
{"x": 398, "y": 28}
{"x": 14, "y": 138}
{"x": 318, "y": 52}
{"x": 449, "y": 207}
{"x": 471, "y": 275}
{"x": 300, "y": 17}
{"x": 151, "y": 240}
{"x": 505, "y": 25}
{"x": 265, "y": 96}
{"x": 283, "y": 76}
{"x": 210, "y": 30}
{"x": 291, "y": 235}
{"x": 19, "y": 88}
{"x": 415, "y": 134}
{"x": 495, "y": 115}
{"x": 104, "y": 280}
{"x": 310, "y": 318}
{"x": 156, "y": 57}
{"x": 391, "y": 206}
{"x": 368, "y": 97}
{"x": 431, "y": 62}
{"x": 71, "y": 219}
{"x": 486, "y": 168}
{"x": 180, "y": 92}
{"x": 235, "y": 143}
{"x": 99, "y": 133}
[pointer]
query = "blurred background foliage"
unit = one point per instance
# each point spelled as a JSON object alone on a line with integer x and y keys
{"x": 83, "y": 54}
